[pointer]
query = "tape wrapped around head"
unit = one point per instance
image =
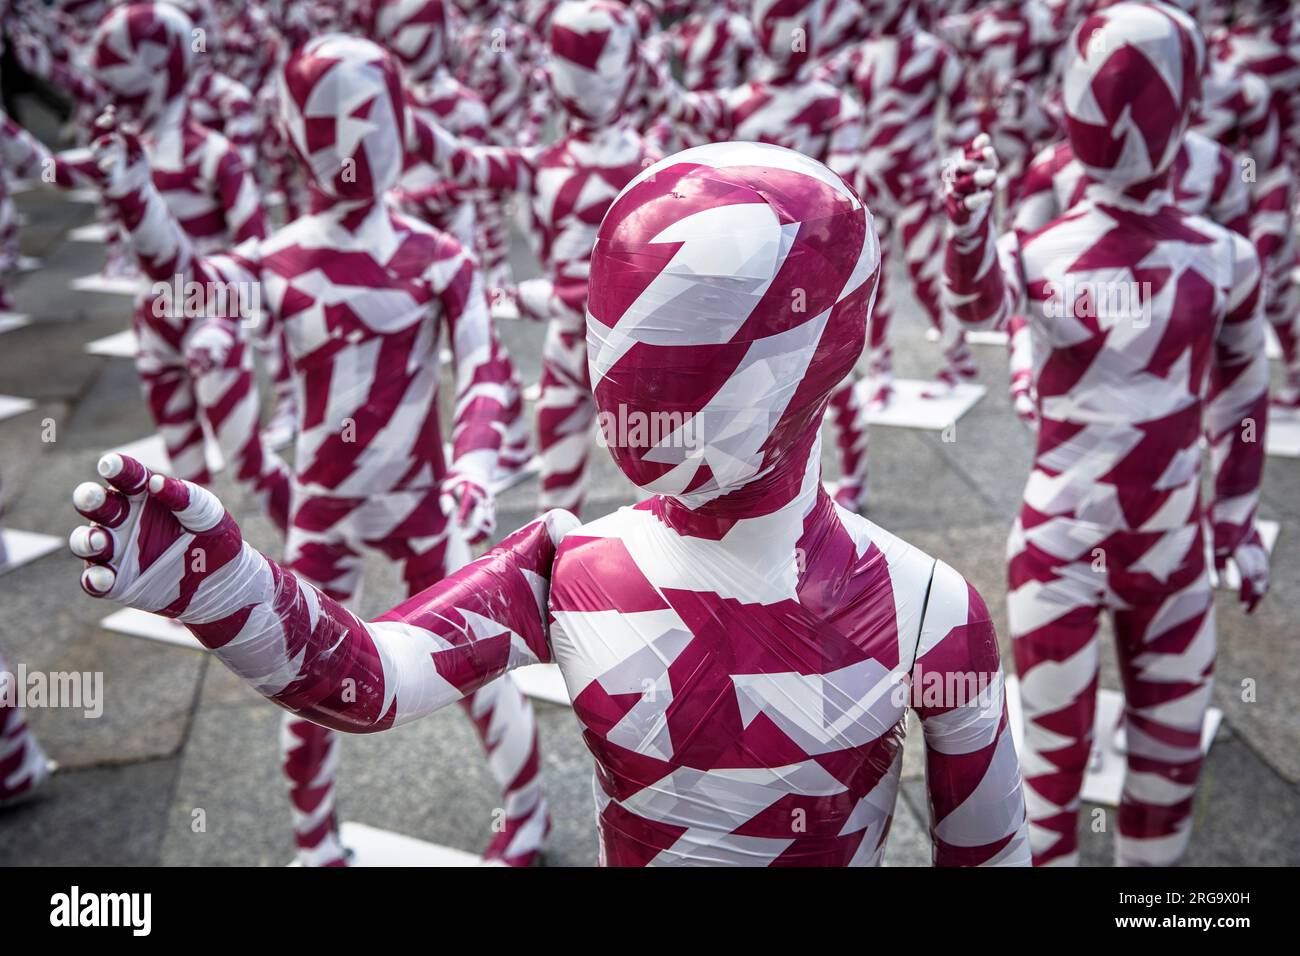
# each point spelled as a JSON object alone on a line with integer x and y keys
{"x": 729, "y": 294}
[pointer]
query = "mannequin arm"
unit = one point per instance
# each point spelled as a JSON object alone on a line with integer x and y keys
{"x": 170, "y": 547}
{"x": 972, "y": 773}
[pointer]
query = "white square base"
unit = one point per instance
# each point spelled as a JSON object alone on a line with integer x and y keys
{"x": 372, "y": 846}
{"x": 974, "y": 337}
{"x": 542, "y": 682}
{"x": 1104, "y": 782}
{"x": 24, "y": 547}
{"x": 91, "y": 232}
{"x": 1282, "y": 439}
{"x": 27, "y": 264}
{"x": 117, "y": 345}
{"x": 152, "y": 453}
{"x": 13, "y": 320}
{"x": 911, "y": 408}
{"x": 11, "y": 405}
{"x": 110, "y": 285}
{"x": 151, "y": 627}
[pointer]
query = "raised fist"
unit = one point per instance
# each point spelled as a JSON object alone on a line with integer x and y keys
{"x": 119, "y": 155}
{"x": 969, "y": 181}
{"x": 470, "y": 506}
{"x": 153, "y": 541}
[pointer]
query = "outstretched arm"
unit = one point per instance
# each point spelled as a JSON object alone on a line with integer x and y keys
{"x": 972, "y": 773}
{"x": 1236, "y": 420}
{"x": 27, "y": 157}
{"x": 168, "y": 546}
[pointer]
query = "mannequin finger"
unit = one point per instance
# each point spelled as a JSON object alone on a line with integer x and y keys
{"x": 99, "y": 504}
{"x": 124, "y": 473}
{"x": 196, "y": 508}
{"x": 92, "y": 543}
{"x": 98, "y": 579}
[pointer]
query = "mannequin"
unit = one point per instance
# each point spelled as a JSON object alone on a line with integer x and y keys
{"x": 1112, "y": 516}
{"x": 740, "y": 651}
{"x": 364, "y": 297}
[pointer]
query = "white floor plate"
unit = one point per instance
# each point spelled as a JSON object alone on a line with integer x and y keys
{"x": 1274, "y": 348}
{"x": 21, "y": 186}
{"x": 372, "y": 846}
{"x": 975, "y": 337}
{"x": 531, "y": 468}
{"x": 911, "y": 408}
{"x": 1104, "y": 781}
{"x": 1268, "y": 532}
{"x": 24, "y": 547}
{"x": 27, "y": 264}
{"x": 542, "y": 682}
{"x": 532, "y": 392}
{"x": 1282, "y": 440}
{"x": 13, "y": 320}
{"x": 91, "y": 232}
{"x": 110, "y": 285}
{"x": 151, "y": 627}
{"x": 84, "y": 195}
{"x": 11, "y": 405}
{"x": 152, "y": 453}
{"x": 117, "y": 345}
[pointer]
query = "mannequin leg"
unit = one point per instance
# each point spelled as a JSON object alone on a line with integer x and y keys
{"x": 1166, "y": 648}
{"x": 566, "y": 413}
{"x": 221, "y": 364}
{"x": 169, "y": 392}
{"x": 23, "y": 765}
{"x": 920, "y": 234}
{"x": 507, "y": 728}
{"x": 309, "y": 753}
{"x": 1055, "y": 612}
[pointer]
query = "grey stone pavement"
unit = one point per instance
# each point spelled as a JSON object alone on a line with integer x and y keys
{"x": 179, "y": 734}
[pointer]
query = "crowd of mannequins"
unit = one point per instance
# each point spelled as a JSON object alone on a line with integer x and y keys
{"x": 716, "y": 193}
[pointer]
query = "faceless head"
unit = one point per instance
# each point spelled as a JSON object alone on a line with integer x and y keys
{"x": 786, "y": 31}
{"x": 414, "y": 31}
{"x": 1130, "y": 83}
{"x": 594, "y": 60}
{"x": 140, "y": 54}
{"x": 341, "y": 105}
{"x": 729, "y": 293}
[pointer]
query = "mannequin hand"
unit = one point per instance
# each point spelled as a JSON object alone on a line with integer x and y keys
{"x": 968, "y": 184}
{"x": 152, "y": 540}
{"x": 1252, "y": 560}
{"x": 470, "y": 506}
{"x": 123, "y": 166}
{"x": 534, "y": 297}
{"x": 1023, "y": 404}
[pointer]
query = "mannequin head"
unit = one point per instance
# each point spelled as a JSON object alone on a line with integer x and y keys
{"x": 1131, "y": 80}
{"x": 414, "y": 31}
{"x": 594, "y": 60}
{"x": 342, "y": 108}
{"x": 729, "y": 293}
{"x": 141, "y": 55}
